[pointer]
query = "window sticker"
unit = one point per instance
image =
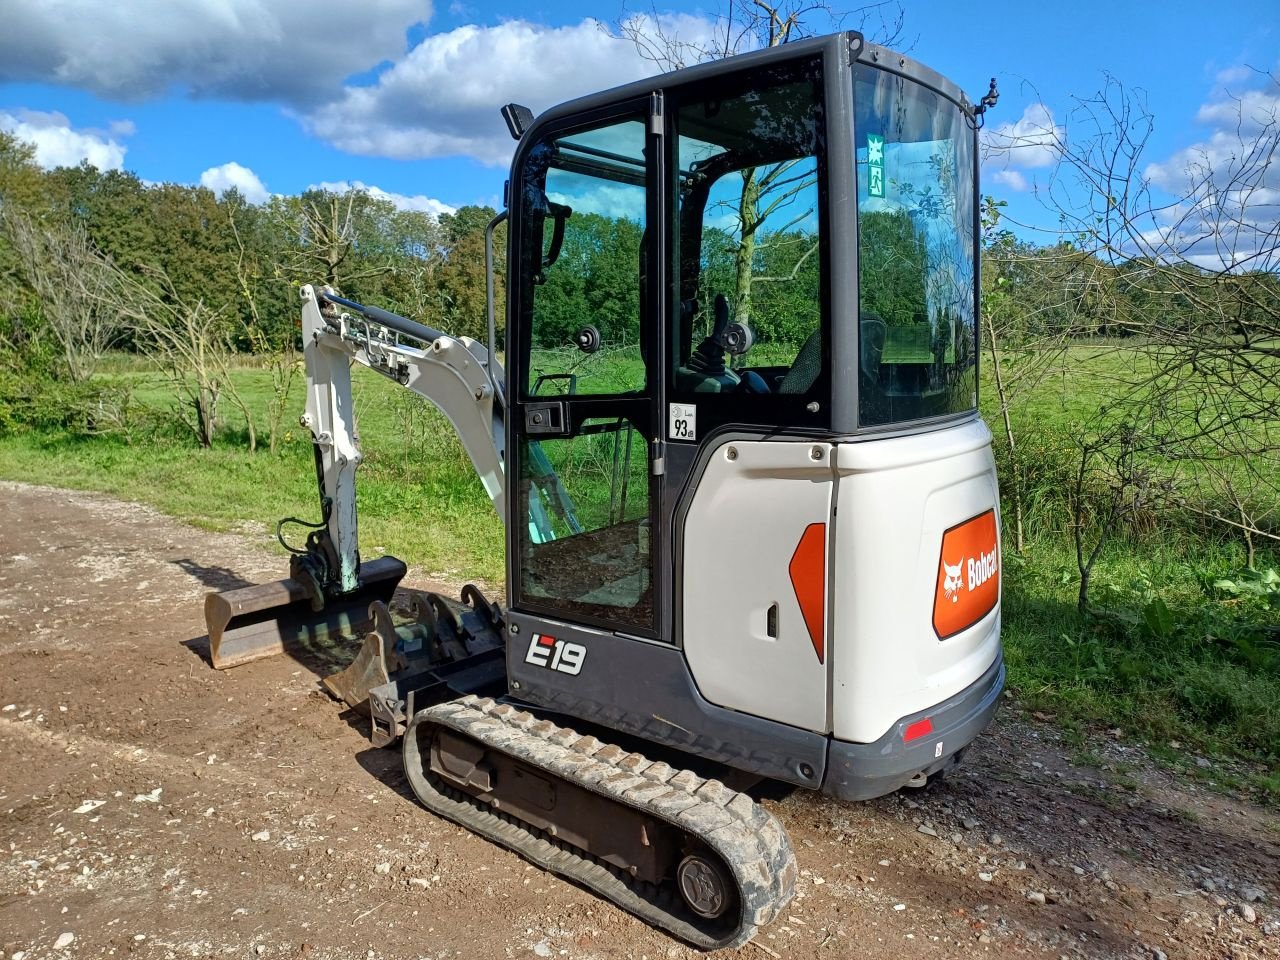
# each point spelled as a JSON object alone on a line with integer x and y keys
{"x": 875, "y": 165}
{"x": 682, "y": 422}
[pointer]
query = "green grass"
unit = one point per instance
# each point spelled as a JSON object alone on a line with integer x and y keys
{"x": 1171, "y": 658}
{"x": 419, "y": 498}
{"x": 1196, "y": 679}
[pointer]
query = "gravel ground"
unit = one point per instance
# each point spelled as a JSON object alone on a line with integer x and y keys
{"x": 151, "y": 806}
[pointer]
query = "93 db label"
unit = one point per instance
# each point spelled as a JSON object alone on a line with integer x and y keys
{"x": 682, "y": 421}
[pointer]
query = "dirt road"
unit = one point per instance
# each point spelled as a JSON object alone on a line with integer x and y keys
{"x": 151, "y": 806}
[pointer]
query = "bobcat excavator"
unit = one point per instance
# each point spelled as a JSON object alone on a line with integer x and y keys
{"x": 751, "y": 509}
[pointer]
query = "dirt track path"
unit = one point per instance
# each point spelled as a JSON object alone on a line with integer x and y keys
{"x": 152, "y": 806}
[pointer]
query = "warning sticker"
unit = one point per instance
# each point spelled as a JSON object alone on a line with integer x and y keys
{"x": 875, "y": 165}
{"x": 682, "y": 422}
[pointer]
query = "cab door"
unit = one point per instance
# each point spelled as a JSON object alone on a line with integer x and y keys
{"x": 583, "y": 489}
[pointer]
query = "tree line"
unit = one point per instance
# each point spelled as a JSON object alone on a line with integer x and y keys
{"x": 92, "y": 260}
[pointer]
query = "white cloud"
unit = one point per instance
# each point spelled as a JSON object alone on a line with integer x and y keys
{"x": 1227, "y": 185}
{"x": 1011, "y": 179}
{"x": 58, "y": 144}
{"x": 294, "y": 51}
{"x": 1249, "y": 112}
{"x": 1237, "y": 73}
{"x": 442, "y": 98}
{"x": 1031, "y": 142}
{"x": 401, "y": 201}
{"x": 233, "y": 175}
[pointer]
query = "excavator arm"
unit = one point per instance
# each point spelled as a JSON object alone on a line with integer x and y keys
{"x": 455, "y": 374}
{"x": 329, "y": 591}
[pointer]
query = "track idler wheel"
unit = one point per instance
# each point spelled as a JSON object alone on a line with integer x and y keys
{"x": 704, "y": 886}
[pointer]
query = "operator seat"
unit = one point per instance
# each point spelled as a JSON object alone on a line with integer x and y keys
{"x": 805, "y": 367}
{"x": 808, "y": 362}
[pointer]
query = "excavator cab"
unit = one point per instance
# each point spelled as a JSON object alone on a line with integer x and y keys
{"x": 761, "y": 275}
{"x": 751, "y": 510}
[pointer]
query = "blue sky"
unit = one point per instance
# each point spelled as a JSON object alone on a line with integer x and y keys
{"x": 403, "y": 97}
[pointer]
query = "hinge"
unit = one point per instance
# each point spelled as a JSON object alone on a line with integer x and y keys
{"x": 658, "y": 458}
{"x": 657, "y": 126}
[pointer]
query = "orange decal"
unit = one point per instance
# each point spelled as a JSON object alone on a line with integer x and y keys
{"x": 808, "y": 569}
{"x": 968, "y": 575}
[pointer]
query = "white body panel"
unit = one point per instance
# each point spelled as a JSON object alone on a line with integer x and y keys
{"x": 896, "y": 498}
{"x": 747, "y": 517}
{"x": 886, "y": 504}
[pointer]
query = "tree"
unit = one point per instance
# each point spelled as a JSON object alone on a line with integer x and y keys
{"x": 335, "y": 237}
{"x": 192, "y": 245}
{"x": 22, "y": 184}
{"x": 193, "y": 344}
{"x": 893, "y": 269}
{"x": 74, "y": 286}
{"x": 1201, "y": 294}
{"x": 113, "y": 208}
{"x": 461, "y": 296}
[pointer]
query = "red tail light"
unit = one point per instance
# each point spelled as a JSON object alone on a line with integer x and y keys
{"x": 921, "y": 728}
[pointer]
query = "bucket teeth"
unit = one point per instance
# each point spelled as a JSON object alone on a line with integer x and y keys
{"x": 250, "y": 623}
{"x": 380, "y": 656}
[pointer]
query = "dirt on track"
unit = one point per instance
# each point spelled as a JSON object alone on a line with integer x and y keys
{"x": 151, "y": 806}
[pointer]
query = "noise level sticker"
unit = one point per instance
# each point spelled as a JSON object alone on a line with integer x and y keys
{"x": 682, "y": 422}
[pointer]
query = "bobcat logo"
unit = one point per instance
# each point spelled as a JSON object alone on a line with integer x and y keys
{"x": 951, "y": 585}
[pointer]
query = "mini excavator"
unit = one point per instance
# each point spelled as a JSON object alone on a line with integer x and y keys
{"x": 751, "y": 512}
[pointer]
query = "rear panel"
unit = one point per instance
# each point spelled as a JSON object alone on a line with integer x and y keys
{"x": 916, "y": 575}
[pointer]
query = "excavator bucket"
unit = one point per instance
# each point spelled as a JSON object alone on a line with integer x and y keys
{"x": 381, "y": 654}
{"x": 250, "y": 623}
{"x": 368, "y": 670}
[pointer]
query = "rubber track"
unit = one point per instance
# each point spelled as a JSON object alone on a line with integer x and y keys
{"x": 749, "y": 839}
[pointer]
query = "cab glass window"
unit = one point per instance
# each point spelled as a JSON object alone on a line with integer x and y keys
{"x": 748, "y": 336}
{"x": 583, "y": 223}
{"x": 917, "y": 327}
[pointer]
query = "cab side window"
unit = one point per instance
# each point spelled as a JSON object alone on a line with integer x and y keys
{"x": 750, "y": 255}
{"x": 584, "y": 222}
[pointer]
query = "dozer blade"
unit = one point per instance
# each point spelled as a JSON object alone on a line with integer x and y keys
{"x": 264, "y": 620}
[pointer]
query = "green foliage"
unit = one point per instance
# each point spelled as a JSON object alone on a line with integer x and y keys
{"x": 1160, "y": 655}
{"x": 1252, "y": 586}
{"x": 595, "y": 280}
{"x": 225, "y": 487}
{"x": 787, "y": 285}
{"x": 894, "y": 252}
{"x": 35, "y": 395}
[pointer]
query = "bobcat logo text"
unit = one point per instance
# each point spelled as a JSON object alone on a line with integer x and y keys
{"x": 968, "y": 589}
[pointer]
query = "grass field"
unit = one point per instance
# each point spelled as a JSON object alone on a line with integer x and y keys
{"x": 1172, "y": 657}
{"x": 419, "y": 498}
